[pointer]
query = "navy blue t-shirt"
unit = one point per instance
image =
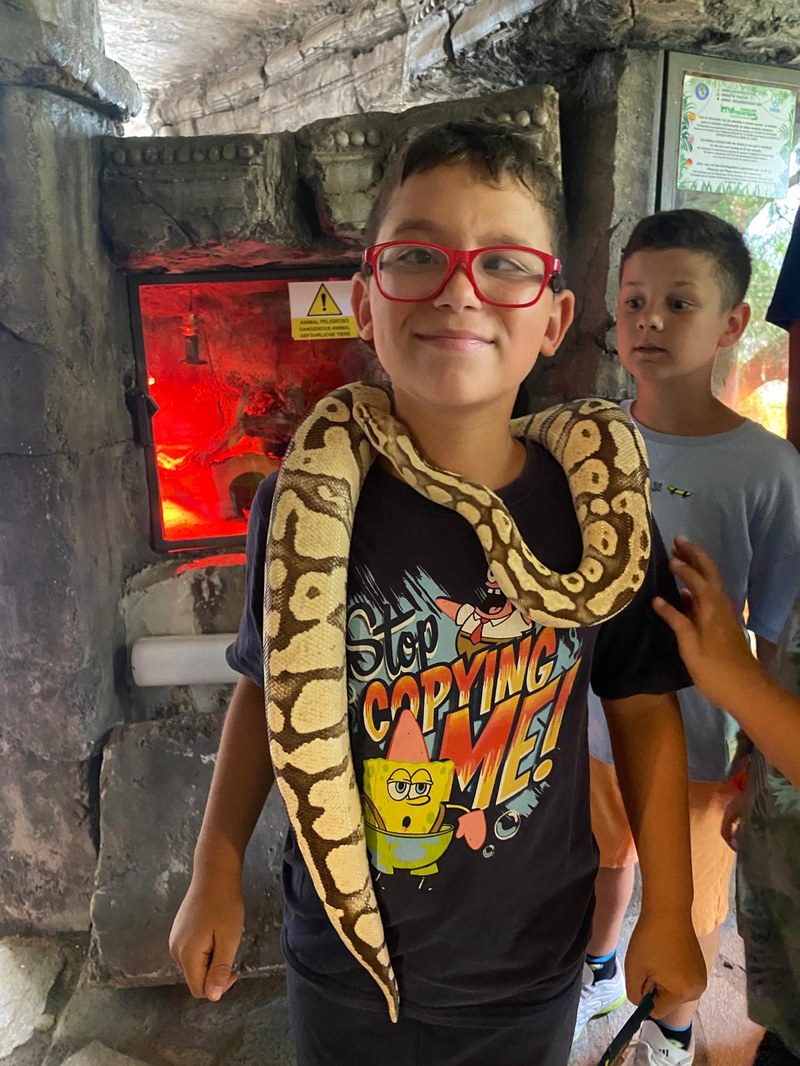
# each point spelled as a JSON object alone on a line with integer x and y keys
{"x": 785, "y": 305}
{"x": 469, "y": 738}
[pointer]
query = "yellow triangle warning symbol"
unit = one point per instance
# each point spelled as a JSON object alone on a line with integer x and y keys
{"x": 323, "y": 304}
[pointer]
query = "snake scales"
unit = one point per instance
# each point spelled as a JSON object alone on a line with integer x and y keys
{"x": 305, "y": 603}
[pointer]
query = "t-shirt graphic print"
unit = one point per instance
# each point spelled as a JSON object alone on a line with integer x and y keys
{"x": 464, "y": 703}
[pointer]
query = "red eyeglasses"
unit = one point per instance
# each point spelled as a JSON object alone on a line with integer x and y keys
{"x": 505, "y": 275}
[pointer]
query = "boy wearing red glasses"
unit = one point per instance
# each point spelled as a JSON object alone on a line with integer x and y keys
{"x": 470, "y": 755}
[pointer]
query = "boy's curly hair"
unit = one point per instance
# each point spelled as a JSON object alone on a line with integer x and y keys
{"x": 701, "y": 232}
{"x": 494, "y": 149}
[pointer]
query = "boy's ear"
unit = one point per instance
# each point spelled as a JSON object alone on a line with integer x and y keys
{"x": 362, "y": 312}
{"x": 736, "y": 324}
{"x": 559, "y": 320}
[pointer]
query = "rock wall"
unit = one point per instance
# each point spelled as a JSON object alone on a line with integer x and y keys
{"x": 69, "y": 475}
{"x": 387, "y": 55}
{"x": 253, "y": 200}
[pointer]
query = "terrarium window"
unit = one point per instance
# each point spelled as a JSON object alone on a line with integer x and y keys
{"x": 222, "y": 386}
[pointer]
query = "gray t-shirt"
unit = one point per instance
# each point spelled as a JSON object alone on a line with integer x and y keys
{"x": 738, "y": 495}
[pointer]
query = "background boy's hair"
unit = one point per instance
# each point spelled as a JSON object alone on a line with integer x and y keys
{"x": 702, "y": 232}
{"x": 498, "y": 150}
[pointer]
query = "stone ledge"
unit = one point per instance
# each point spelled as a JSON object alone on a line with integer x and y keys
{"x": 342, "y": 160}
{"x": 186, "y": 203}
{"x": 202, "y": 201}
{"x": 41, "y": 55}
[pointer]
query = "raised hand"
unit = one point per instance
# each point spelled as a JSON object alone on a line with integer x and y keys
{"x": 710, "y": 638}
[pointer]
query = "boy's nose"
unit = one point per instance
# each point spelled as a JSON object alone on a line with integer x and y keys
{"x": 459, "y": 292}
{"x": 650, "y": 320}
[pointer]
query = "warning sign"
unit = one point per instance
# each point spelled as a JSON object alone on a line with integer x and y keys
{"x": 321, "y": 310}
{"x": 324, "y": 303}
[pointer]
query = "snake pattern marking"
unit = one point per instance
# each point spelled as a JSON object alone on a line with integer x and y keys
{"x": 305, "y": 592}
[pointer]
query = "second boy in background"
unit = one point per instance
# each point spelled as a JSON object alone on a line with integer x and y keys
{"x": 729, "y": 484}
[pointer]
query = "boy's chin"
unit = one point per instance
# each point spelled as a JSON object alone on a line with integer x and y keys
{"x": 454, "y": 398}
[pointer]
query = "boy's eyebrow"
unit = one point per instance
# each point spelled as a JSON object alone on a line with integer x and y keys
{"x": 423, "y": 225}
{"x": 673, "y": 284}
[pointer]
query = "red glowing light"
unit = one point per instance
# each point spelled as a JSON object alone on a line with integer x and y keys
{"x": 224, "y": 422}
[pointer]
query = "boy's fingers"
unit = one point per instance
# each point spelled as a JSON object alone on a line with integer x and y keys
{"x": 221, "y": 975}
{"x": 678, "y": 623}
{"x": 705, "y": 595}
{"x": 687, "y": 600}
{"x": 219, "y": 981}
{"x": 694, "y": 581}
{"x": 195, "y": 967}
{"x": 697, "y": 558}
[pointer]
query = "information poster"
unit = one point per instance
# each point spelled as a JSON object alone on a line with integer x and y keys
{"x": 735, "y": 137}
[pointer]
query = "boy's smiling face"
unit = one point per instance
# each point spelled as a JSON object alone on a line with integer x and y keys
{"x": 671, "y": 319}
{"x": 455, "y": 351}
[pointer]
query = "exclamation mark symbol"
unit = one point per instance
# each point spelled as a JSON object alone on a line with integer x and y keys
{"x": 554, "y": 725}
{"x": 550, "y": 741}
{"x": 324, "y": 296}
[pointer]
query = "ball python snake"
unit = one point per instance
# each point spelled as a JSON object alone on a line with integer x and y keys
{"x": 305, "y": 586}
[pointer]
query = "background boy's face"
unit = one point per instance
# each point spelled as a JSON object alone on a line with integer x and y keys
{"x": 671, "y": 318}
{"x": 455, "y": 350}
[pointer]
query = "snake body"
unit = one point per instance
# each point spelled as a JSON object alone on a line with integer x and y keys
{"x": 305, "y": 603}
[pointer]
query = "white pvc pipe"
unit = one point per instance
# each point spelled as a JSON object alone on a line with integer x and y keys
{"x": 196, "y": 660}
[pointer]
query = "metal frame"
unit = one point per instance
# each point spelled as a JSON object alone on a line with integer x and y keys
{"x": 138, "y": 397}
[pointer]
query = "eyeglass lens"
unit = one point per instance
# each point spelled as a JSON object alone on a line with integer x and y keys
{"x": 505, "y": 275}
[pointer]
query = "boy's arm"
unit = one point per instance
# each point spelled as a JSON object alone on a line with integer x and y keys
{"x": 208, "y": 926}
{"x": 717, "y": 655}
{"x": 768, "y": 653}
{"x": 650, "y": 758}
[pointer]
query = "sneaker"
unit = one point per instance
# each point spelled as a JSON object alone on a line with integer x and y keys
{"x": 599, "y": 997}
{"x": 652, "y": 1048}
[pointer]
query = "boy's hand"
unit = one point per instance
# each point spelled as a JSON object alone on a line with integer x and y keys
{"x": 664, "y": 955}
{"x": 710, "y": 639}
{"x": 205, "y": 937}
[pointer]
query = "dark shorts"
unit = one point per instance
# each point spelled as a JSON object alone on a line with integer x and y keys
{"x": 771, "y": 1052}
{"x": 328, "y": 1034}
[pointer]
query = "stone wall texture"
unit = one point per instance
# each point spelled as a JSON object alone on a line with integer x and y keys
{"x": 189, "y": 203}
{"x": 69, "y": 469}
{"x": 157, "y": 774}
{"x": 389, "y": 56}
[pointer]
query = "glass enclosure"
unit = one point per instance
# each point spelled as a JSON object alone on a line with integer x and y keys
{"x": 223, "y": 385}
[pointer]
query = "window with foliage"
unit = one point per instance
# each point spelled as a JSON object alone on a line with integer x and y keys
{"x": 752, "y": 377}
